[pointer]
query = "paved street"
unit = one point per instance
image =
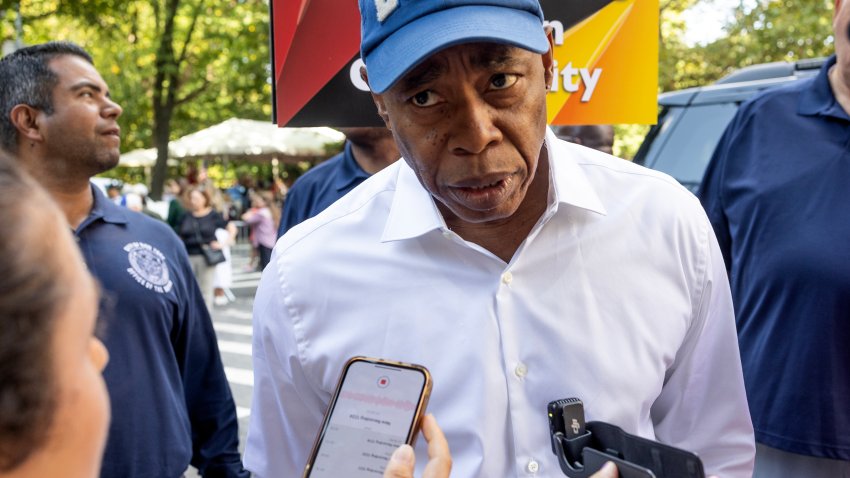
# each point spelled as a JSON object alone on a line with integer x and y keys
{"x": 232, "y": 324}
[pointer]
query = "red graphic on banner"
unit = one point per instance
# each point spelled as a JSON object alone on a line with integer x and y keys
{"x": 325, "y": 35}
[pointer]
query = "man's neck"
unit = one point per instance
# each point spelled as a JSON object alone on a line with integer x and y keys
{"x": 73, "y": 195}
{"x": 840, "y": 88}
{"x": 375, "y": 158}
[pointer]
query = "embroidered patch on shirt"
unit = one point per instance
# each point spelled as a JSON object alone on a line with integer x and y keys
{"x": 148, "y": 267}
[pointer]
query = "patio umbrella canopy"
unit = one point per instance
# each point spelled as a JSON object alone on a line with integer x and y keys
{"x": 141, "y": 158}
{"x": 256, "y": 140}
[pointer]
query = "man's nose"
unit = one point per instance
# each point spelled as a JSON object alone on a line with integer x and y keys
{"x": 473, "y": 128}
{"x": 111, "y": 109}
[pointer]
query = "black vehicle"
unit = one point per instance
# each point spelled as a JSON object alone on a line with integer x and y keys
{"x": 691, "y": 121}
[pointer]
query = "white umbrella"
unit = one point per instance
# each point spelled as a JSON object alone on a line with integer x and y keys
{"x": 138, "y": 158}
{"x": 241, "y": 138}
{"x": 141, "y": 158}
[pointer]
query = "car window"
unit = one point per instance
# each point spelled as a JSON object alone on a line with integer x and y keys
{"x": 686, "y": 139}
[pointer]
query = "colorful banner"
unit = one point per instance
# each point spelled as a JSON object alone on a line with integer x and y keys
{"x": 606, "y": 71}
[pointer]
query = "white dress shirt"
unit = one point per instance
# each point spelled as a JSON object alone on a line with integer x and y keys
{"x": 618, "y": 296}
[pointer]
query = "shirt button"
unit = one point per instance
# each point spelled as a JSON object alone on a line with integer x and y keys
{"x": 447, "y": 234}
{"x": 533, "y": 466}
{"x": 521, "y": 370}
{"x": 507, "y": 278}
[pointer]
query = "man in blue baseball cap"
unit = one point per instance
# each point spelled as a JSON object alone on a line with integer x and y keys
{"x": 517, "y": 267}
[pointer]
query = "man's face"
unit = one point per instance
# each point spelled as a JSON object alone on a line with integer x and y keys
{"x": 83, "y": 131}
{"x": 470, "y": 121}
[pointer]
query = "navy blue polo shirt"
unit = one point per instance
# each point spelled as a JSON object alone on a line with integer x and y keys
{"x": 777, "y": 192}
{"x": 171, "y": 403}
{"x": 320, "y": 187}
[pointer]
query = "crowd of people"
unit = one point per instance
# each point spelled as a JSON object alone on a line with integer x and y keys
{"x": 517, "y": 266}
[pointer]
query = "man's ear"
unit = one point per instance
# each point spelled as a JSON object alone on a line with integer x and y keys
{"x": 378, "y": 99}
{"x": 548, "y": 58}
{"x": 25, "y": 119}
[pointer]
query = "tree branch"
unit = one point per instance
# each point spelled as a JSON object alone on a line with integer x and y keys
{"x": 193, "y": 94}
{"x": 185, "y": 48}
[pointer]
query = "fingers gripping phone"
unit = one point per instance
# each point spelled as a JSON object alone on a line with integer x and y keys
{"x": 376, "y": 407}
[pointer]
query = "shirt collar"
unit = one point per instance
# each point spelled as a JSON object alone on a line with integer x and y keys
{"x": 414, "y": 213}
{"x": 103, "y": 208}
{"x": 349, "y": 170}
{"x": 567, "y": 179}
{"x": 818, "y": 99}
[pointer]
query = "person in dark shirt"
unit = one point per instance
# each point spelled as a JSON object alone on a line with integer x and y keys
{"x": 198, "y": 228}
{"x": 776, "y": 191}
{"x": 367, "y": 151}
{"x": 170, "y": 399}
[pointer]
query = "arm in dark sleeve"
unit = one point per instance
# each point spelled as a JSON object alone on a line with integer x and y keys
{"x": 210, "y": 406}
{"x": 291, "y": 214}
{"x": 710, "y": 192}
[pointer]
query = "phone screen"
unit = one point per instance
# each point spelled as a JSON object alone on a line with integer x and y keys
{"x": 374, "y": 411}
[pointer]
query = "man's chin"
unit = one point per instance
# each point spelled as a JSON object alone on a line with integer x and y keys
{"x": 105, "y": 163}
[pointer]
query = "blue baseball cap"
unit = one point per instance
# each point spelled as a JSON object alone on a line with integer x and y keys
{"x": 396, "y": 35}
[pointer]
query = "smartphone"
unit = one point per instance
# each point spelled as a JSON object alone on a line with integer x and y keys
{"x": 375, "y": 408}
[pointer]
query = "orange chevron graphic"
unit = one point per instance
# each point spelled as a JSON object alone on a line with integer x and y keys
{"x": 610, "y": 60}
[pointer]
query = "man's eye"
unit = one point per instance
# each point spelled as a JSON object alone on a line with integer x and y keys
{"x": 503, "y": 80}
{"x": 424, "y": 98}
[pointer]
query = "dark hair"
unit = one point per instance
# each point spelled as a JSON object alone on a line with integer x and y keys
{"x": 26, "y": 79}
{"x": 30, "y": 297}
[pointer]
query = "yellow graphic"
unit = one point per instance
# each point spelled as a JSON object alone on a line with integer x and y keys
{"x": 606, "y": 69}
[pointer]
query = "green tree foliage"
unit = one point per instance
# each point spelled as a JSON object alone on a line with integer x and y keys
{"x": 176, "y": 66}
{"x": 769, "y": 30}
{"x": 761, "y": 31}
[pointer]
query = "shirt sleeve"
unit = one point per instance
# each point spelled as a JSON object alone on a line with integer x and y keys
{"x": 212, "y": 412}
{"x": 703, "y": 405}
{"x": 220, "y": 222}
{"x": 286, "y": 411}
{"x": 710, "y": 192}
{"x": 290, "y": 215}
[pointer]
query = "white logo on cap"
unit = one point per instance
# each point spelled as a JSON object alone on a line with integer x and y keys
{"x": 384, "y": 8}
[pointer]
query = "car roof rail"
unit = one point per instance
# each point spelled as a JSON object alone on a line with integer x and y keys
{"x": 810, "y": 63}
{"x": 776, "y": 69}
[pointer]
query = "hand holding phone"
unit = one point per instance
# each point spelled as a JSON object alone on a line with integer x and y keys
{"x": 376, "y": 407}
{"x": 439, "y": 459}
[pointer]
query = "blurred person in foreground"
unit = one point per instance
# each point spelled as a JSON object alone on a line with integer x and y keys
{"x": 776, "y": 191}
{"x": 508, "y": 262}
{"x": 54, "y": 408}
{"x": 170, "y": 398}
{"x": 596, "y": 136}
{"x": 367, "y": 150}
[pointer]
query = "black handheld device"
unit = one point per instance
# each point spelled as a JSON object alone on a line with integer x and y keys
{"x": 583, "y": 448}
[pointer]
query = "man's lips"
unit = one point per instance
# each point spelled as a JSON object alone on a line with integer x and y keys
{"x": 483, "y": 182}
{"x": 482, "y": 194}
{"x": 112, "y": 132}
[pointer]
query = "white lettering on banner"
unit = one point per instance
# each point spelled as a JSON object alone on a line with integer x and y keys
{"x": 590, "y": 78}
{"x": 354, "y": 73}
{"x": 557, "y": 29}
{"x": 384, "y": 8}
